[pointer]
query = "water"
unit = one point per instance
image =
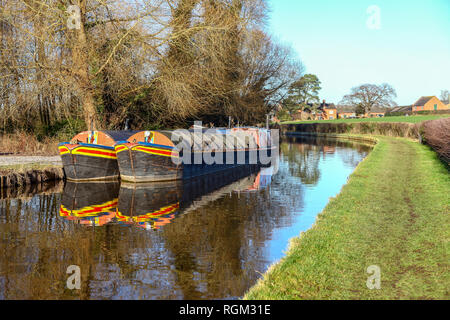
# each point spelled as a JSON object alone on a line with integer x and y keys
{"x": 209, "y": 239}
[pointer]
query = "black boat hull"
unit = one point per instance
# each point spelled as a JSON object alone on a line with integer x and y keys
{"x": 83, "y": 163}
{"x": 139, "y": 164}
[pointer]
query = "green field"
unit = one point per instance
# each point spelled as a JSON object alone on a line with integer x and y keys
{"x": 411, "y": 119}
{"x": 394, "y": 214}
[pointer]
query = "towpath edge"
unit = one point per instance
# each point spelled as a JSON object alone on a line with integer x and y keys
{"x": 393, "y": 213}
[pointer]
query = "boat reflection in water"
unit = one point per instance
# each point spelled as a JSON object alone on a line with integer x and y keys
{"x": 90, "y": 203}
{"x": 153, "y": 205}
{"x": 149, "y": 206}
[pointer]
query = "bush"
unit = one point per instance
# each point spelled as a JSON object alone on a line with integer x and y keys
{"x": 395, "y": 129}
{"x": 436, "y": 133}
{"x": 27, "y": 144}
{"x": 61, "y": 130}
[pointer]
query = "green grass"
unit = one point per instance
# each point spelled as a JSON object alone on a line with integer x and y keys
{"x": 410, "y": 119}
{"x": 393, "y": 213}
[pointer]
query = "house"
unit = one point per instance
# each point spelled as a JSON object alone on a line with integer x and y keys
{"x": 429, "y": 103}
{"x": 326, "y": 111}
{"x": 304, "y": 114}
{"x": 401, "y": 110}
{"x": 376, "y": 112}
{"x": 345, "y": 112}
{"x": 323, "y": 111}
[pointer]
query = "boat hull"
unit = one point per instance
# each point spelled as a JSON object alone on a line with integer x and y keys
{"x": 143, "y": 163}
{"x": 139, "y": 163}
{"x": 89, "y": 163}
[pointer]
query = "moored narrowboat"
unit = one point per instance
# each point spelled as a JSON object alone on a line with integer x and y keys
{"x": 147, "y": 156}
{"x": 90, "y": 155}
{"x": 150, "y": 156}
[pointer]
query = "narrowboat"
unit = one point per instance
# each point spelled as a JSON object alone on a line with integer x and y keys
{"x": 151, "y": 156}
{"x": 90, "y": 155}
{"x": 90, "y": 203}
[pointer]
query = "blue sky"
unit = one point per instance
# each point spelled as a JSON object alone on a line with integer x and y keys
{"x": 410, "y": 50}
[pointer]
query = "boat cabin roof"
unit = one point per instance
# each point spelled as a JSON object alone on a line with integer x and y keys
{"x": 106, "y": 137}
{"x": 212, "y": 139}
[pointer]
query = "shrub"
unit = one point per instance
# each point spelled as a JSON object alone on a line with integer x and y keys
{"x": 436, "y": 134}
{"x": 25, "y": 143}
{"x": 395, "y": 129}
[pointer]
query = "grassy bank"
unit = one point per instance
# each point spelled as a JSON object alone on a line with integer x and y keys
{"x": 409, "y": 119}
{"x": 393, "y": 213}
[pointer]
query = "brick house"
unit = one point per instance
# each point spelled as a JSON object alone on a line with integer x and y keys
{"x": 326, "y": 111}
{"x": 304, "y": 114}
{"x": 428, "y": 103}
{"x": 375, "y": 112}
{"x": 400, "y": 110}
{"x": 346, "y": 112}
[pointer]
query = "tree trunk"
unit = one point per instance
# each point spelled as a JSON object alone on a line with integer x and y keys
{"x": 81, "y": 72}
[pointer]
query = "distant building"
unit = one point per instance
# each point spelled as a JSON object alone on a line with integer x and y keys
{"x": 346, "y": 112}
{"x": 326, "y": 111}
{"x": 376, "y": 112}
{"x": 304, "y": 114}
{"x": 429, "y": 103}
{"x": 401, "y": 110}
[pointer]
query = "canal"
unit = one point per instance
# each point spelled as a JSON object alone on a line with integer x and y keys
{"x": 211, "y": 238}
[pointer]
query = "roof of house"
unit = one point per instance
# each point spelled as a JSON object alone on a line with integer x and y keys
{"x": 378, "y": 110}
{"x": 324, "y": 105}
{"x": 345, "y": 109}
{"x": 400, "y": 109}
{"x": 422, "y": 101}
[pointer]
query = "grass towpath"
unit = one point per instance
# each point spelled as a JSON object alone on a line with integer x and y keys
{"x": 410, "y": 119}
{"x": 393, "y": 213}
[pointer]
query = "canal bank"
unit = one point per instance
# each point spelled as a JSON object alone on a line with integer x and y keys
{"x": 393, "y": 214}
{"x": 21, "y": 171}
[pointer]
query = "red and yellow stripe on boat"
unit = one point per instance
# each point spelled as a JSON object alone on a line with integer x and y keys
{"x": 63, "y": 150}
{"x": 89, "y": 211}
{"x": 95, "y": 152}
{"x": 156, "y": 151}
{"x": 121, "y": 148}
{"x": 89, "y": 151}
{"x": 148, "y": 216}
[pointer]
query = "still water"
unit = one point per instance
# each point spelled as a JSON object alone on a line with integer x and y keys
{"x": 210, "y": 238}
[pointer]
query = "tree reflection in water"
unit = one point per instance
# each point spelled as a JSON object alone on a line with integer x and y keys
{"x": 206, "y": 239}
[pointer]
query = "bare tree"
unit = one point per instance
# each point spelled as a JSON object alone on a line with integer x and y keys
{"x": 368, "y": 96}
{"x": 156, "y": 62}
{"x": 445, "y": 96}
